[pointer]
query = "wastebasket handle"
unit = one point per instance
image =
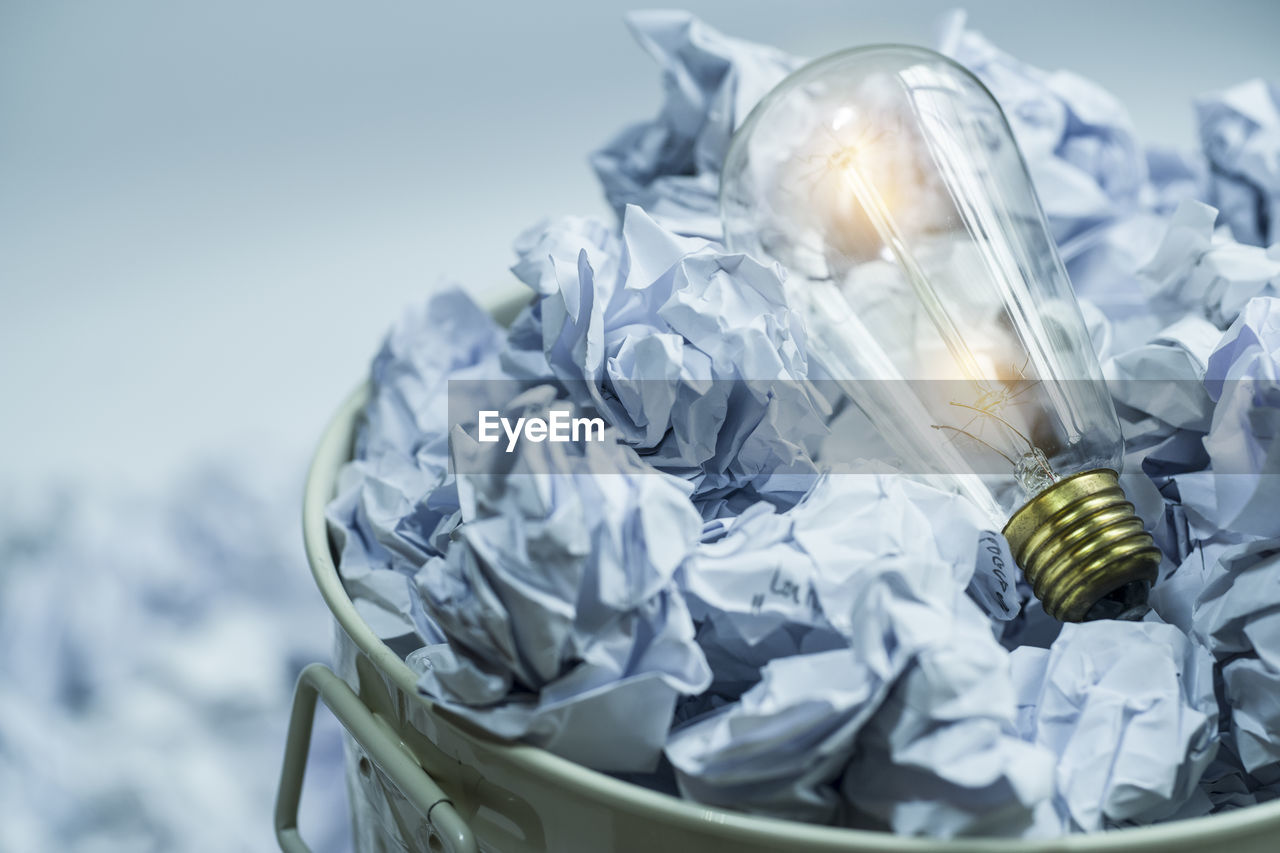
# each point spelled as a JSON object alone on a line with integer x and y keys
{"x": 318, "y": 681}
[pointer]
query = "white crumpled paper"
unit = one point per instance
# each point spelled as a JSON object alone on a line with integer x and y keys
{"x": 558, "y": 599}
{"x": 1243, "y": 442}
{"x": 871, "y": 659}
{"x": 1129, "y": 712}
{"x": 1237, "y": 616}
{"x": 397, "y": 501}
{"x": 1077, "y": 139}
{"x": 670, "y": 166}
{"x": 1198, "y": 271}
{"x": 1240, "y": 133}
{"x": 691, "y": 353}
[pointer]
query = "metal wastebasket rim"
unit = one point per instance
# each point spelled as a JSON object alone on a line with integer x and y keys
{"x": 334, "y": 450}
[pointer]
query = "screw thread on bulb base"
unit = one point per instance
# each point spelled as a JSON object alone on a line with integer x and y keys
{"x": 1083, "y": 549}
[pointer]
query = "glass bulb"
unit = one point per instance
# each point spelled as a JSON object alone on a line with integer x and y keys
{"x": 887, "y": 183}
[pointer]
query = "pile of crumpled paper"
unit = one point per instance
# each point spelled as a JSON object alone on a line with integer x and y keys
{"x": 666, "y": 606}
{"x": 151, "y": 647}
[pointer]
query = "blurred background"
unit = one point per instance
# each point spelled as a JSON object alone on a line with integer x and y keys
{"x": 209, "y": 213}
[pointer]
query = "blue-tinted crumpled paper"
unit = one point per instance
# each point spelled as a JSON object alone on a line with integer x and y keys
{"x": 1076, "y": 137}
{"x": 1164, "y": 409}
{"x": 557, "y": 597}
{"x": 1238, "y": 604}
{"x": 872, "y": 663}
{"x": 1240, "y": 133}
{"x": 1243, "y": 443}
{"x": 1129, "y": 711}
{"x": 1105, "y": 198}
{"x": 397, "y": 501}
{"x": 1237, "y": 616}
{"x": 691, "y": 354}
{"x": 670, "y": 166}
{"x": 1231, "y": 496}
{"x": 1196, "y": 270}
{"x": 775, "y": 583}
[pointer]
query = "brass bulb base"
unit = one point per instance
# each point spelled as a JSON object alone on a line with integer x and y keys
{"x": 1083, "y": 549}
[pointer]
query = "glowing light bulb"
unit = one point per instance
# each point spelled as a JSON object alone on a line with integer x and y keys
{"x": 886, "y": 181}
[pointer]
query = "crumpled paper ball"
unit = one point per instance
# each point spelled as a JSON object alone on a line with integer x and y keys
{"x": 1129, "y": 712}
{"x": 1237, "y": 617}
{"x": 557, "y": 597}
{"x": 1240, "y": 134}
{"x": 670, "y": 165}
{"x": 397, "y": 500}
{"x": 692, "y": 354}
{"x": 1077, "y": 139}
{"x": 871, "y": 659}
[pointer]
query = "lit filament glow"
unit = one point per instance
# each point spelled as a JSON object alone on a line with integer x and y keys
{"x": 847, "y": 164}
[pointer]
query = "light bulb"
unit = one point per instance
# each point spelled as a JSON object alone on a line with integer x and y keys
{"x": 887, "y": 183}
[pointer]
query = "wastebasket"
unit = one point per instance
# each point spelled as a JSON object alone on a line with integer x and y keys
{"x": 421, "y": 779}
